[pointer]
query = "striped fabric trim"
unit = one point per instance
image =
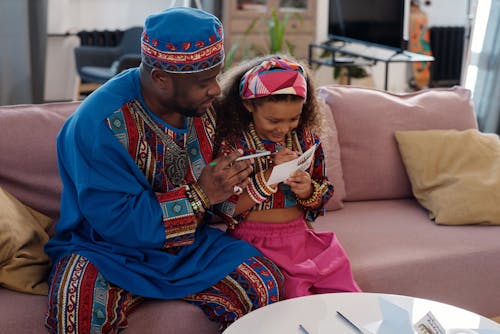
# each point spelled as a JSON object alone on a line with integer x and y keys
{"x": 82, "y": 301}
{"x": 255, "y": 283}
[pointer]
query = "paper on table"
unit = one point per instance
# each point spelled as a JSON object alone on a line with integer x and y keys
{"x": 429, "y": 324}
{"x": 395, "y": 320}
{"x": 281, "y": 172}
{"x": 472, "y": 331}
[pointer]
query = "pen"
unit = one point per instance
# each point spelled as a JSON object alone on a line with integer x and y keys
{"x": 244, "y": 157}
{"x": 256, "y": 155}
{"x": 358, "y": 330}
{"x": 305, "y": 331}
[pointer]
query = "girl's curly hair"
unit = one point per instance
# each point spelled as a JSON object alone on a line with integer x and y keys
{"x": 233, "y": 117}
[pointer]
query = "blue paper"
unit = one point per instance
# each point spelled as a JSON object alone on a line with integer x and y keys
{"x": 395, "y": 320}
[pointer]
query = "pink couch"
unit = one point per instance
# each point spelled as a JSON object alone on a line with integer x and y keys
{"x": 393, "y": 246}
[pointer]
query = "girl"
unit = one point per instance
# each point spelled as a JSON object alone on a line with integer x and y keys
{"x": 269, "y": 104}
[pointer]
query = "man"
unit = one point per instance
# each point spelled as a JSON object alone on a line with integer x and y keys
{"x": 138, "y": 179}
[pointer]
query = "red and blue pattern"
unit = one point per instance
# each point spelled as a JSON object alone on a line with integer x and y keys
{"x": 255, "y": 283}
{"x": 93, "y": 305}
{"x": 148, "y": 152}
{"x": 166, "y": 45}
{"x": 284, "y": 197}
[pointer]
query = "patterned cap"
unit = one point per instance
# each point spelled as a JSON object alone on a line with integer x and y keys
{"x": 182, "y": 39}
{"x": 274, "y": 76}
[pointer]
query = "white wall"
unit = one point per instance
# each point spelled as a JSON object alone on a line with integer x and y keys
{"x": 447, "y": 12}
{"x": 75, "y": 15}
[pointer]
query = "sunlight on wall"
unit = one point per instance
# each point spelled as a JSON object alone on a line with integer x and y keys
{"x": 478, "y": 34}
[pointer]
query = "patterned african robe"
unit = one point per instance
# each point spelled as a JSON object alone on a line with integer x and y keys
{"x": 118, "y": 207}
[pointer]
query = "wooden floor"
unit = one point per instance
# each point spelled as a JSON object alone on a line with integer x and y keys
{"x": 497, "y": 319}
{"x": 84, "y": 89}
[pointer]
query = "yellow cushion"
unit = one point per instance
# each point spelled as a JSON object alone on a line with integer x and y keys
{"x": 24, "y": 266}
{"x": 454, "y": 174}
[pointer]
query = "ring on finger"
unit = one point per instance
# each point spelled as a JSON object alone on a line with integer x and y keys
{"x": 237, "y": 190}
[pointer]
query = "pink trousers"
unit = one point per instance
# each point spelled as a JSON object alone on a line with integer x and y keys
{"x": 312, "y": 262}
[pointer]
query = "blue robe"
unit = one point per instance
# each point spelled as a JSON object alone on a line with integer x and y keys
{"x": 111, "y": 214}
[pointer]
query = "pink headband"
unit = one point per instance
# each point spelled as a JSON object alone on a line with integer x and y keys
{"x": 272, "y": 77}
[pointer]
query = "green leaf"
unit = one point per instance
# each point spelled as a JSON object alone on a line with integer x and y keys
{"x": 276, "y": 42}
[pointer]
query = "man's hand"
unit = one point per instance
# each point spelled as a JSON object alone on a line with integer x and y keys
{"x": 219, "y": 178}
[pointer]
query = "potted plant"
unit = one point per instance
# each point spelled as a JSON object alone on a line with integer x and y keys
{"x": 276, "y": 41}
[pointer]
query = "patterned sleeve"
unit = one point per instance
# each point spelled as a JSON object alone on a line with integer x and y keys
{"x": 179, "y": 219}
{"x": 182, "y": 213}
{"x": 226, "y": 209}
{"x": 318, "y": 175}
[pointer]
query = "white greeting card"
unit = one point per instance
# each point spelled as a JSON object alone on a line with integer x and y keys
{"x": 282, "y": 171}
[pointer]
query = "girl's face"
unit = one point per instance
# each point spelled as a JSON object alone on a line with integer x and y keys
{"x": 274, "y": 119}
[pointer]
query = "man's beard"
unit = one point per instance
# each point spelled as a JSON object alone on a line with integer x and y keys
{"x": 190, "y": 112}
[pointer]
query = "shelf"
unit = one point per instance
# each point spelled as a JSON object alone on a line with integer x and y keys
{"x": 362, "y": 55}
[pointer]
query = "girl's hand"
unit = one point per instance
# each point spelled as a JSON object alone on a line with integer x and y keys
{"x": 301, "y": 184}
{"x": 284, "y": 155}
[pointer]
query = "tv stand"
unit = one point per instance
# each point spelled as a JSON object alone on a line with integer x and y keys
{"x": 358, "y": 54}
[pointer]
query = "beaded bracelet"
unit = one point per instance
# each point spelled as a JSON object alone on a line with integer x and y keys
{"x": 258, "y": 190}
{"x": 194, "y": 200}
{"x": 315, "y": 199}
{"x": 205, "y": 201}
{"x": 260, "y": 177}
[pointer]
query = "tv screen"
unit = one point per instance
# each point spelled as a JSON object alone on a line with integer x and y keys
{"x": 380, "y": 22}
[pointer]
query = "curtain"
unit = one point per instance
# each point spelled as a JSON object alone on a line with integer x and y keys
{"x": 487, "y": 89}
{"x": 23, "y": 35}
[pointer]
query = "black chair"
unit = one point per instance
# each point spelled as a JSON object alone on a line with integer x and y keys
{"x": 97, "y": 64}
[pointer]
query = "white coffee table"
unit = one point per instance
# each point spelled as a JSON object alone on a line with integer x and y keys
{"x": 318, "y": 314}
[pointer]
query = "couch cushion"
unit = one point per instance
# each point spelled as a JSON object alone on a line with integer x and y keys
{"x": 366, "y": 119}
{"x": 22, "y": 313}
{"x": 331, "y": 148}
{"x": 173, "y": 316}
{"x": 454, "y": 174}
{"x": 24, "y": 266}
{"x": 28, "y": 150}
{"x": 395, "y": 248}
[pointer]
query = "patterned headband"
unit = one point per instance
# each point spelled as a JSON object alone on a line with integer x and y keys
{"x": 274, "y": 76}
{"x": 182, "y": 40}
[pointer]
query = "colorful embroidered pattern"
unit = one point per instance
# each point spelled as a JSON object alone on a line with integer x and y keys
{"x": 164, "y": 44}
{"x": 255, "y": 283}
{"x": 93, "y": 305}
{"x": 183, "y": 62}
{"x": 273, "y": 76}
{"x": 284, "y": 197}
{"x": 149, "y": 152}
{"x": 90, "y": 303}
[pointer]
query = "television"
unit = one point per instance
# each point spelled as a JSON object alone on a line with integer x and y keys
{"x": 383, "y": 23}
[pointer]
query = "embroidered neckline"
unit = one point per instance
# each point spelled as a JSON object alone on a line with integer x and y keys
{"x": 176, "y": 157}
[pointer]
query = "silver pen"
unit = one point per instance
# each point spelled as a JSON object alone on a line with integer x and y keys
{"x": 352, "y": 324}
{"x": 304, "y": 331}
{"x": 256, "y": 155}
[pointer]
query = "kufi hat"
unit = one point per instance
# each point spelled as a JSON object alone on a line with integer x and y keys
{"x": 182, "y": 39}
{"x": 274, "y": 76}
